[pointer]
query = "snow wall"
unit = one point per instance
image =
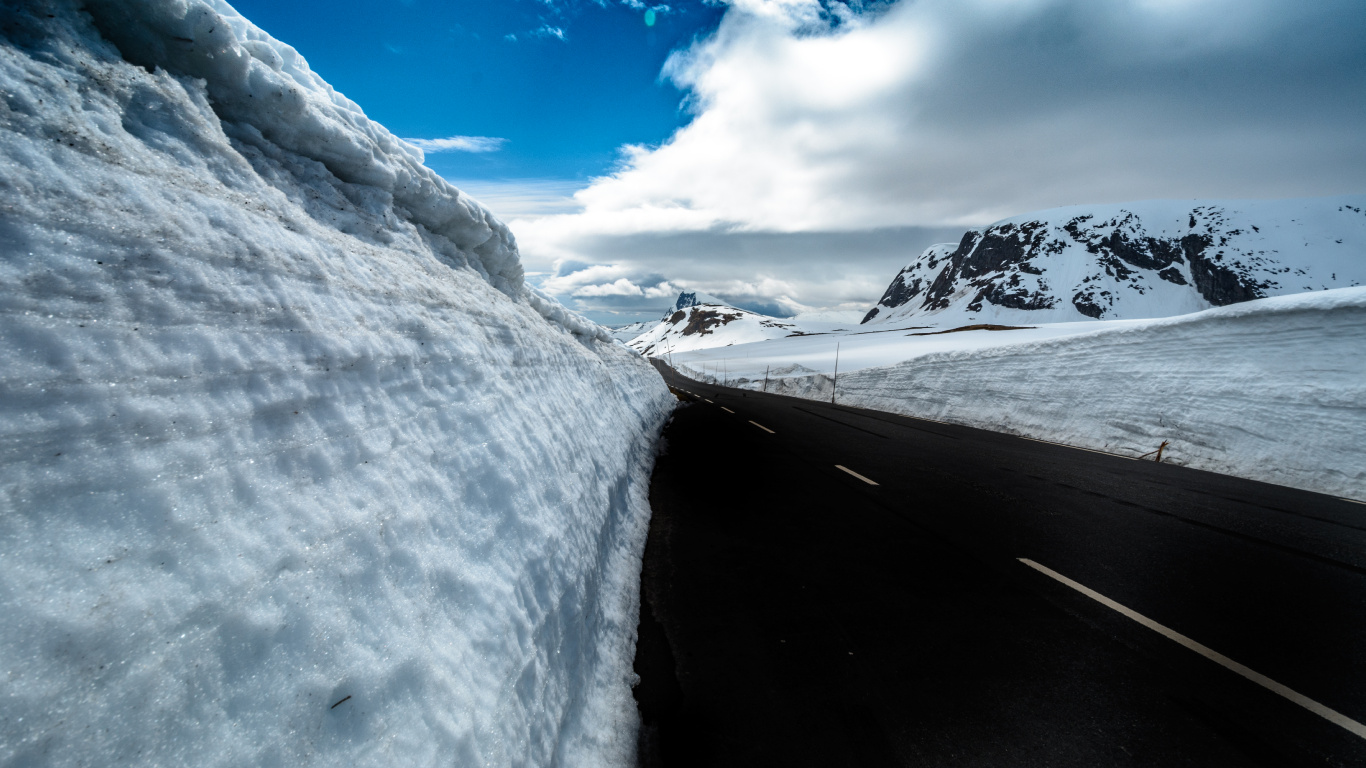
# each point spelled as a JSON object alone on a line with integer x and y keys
{"x": 1272, "y": 390}
{"x": 296, "y": 471}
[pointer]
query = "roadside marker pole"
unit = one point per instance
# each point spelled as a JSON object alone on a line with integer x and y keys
{"x": 766, "y": 377}
{"x": 835, "y": 383}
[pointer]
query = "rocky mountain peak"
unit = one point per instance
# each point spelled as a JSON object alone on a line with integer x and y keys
{"x": 1146, "y": 259}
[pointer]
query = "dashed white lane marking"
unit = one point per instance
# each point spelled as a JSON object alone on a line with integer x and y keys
{"x": 708, "y": 401}
{"x": 727, "y": 410}
{"x": 761, "y": 426}
{"x": 1331, "y": 715}
{"x": 855, "y": 474}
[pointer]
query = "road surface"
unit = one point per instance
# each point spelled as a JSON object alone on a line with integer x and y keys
{"x": 829, "y": 586}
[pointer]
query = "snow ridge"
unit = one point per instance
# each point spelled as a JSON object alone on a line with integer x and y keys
{"x": 296, "y": 470}
{"x": 1154, "y": 258}
{"x": 266, "y": 95}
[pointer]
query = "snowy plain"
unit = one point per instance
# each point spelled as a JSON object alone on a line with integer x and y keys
{"x": 1272, "y": 389}
{"x": 296, "y": 470}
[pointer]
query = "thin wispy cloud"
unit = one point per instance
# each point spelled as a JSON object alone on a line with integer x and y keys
{"x": 641, "y": 6}
{"x": 522, "y": 198}
{"x": 545, "y": 30}
{"x": 459, "y": 144}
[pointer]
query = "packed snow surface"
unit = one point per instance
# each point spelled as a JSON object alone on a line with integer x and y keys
{"x": 296, "y": 471}
{"x": 1153, "y": 258}
{"x": 1271, "y": 389}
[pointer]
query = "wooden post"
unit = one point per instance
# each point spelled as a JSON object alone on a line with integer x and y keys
{"x": 766, "y": 378}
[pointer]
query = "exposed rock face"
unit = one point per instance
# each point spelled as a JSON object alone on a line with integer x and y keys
{"x": 699, "y": 321}
{"x": 694, "y": 299}
{"x": 703, "y": 320}
{"x": 1144, "y": 259}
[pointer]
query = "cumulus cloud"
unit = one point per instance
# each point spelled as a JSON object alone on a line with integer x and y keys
{"x": 810, "y": 117}
{"x": 459, "y": 144}
{"x": 619, "y": 287}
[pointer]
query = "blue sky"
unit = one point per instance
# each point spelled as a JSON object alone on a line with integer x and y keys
{"x": 791, "y": 155}
{"x": 564, "y": 84}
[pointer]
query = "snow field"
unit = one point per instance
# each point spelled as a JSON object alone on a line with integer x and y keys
{"x": 1272, "y": 389}
{"x": 271, "y": 439}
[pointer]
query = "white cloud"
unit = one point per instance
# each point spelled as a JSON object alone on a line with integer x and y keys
{"x": 664, "y": 290}
{"x": 810, "y": 118}
{"x": 619, "y": 287}
{"x": 567, "y": 278}
{"x": 459, "y": 144}
{"x": 521, "y": 198}
{"x": 545, "y": 30}
{"x": 638, "y": 5}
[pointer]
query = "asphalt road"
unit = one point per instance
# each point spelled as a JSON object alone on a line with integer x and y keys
{"x": 794, "y": 614}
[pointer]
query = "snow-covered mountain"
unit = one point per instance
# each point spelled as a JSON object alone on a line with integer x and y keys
{"x": 1154, "y": 258}
{"x": 699, "y": 321}
{"x": 624, "y": 333}
{"x": 294, "y": 468}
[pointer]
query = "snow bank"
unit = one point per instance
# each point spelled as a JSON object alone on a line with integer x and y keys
{"x": 1272, "y": 389}
{"x": 295, "y": 469}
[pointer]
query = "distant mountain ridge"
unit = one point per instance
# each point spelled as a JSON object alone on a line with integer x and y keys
{"x": 1152, "y": 258}
{"x": 699, "y": 321}
{"x": 624, "y": 333}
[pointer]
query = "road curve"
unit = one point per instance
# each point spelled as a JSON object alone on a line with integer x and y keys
{"x": 832, "y": 586}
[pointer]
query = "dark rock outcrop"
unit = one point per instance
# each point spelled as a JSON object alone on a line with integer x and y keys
{"x": 702, "y": 321}
{"x": 1004, "y": 265}
{"x": 1217, "y": 283}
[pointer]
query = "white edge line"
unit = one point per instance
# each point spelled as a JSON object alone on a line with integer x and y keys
{"x": 855, "y": 474}
{"x": 1331, "y": 715}
{"x": 1354, "y": 501}
{"x": 1079, "y": 448}
{"x": 761, "y": 426}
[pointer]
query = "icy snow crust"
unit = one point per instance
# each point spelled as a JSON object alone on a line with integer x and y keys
{"x": 1272, "y": 389}
{"x": 280, "y": 427}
